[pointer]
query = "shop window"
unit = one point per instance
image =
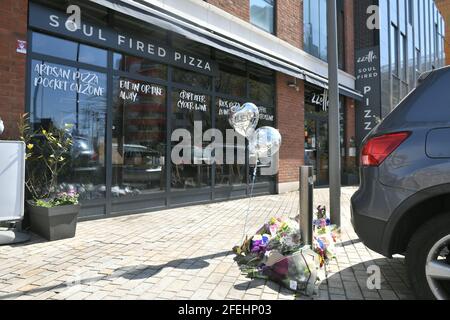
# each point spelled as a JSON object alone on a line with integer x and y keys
{"x": 189, "y": 109}
{"x": 229, "y": 173}
{"x": 262, "y": 14}
{"x": 69, "y": 50}
{"x": 266, "y": 118}
{"x": 76, "y": 100}
{"x": 139, "y": 138}
{"x": 261, "y": 90}
{"x": 261, "y": 85}
{"x": 190, "y": 78}
{"x": 232, "y": 84}
{"x": 315, "y": 28}
{"x": 140, "y": 66}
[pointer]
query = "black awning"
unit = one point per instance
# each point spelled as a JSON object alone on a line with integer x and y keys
{"x": 171, "y": 22}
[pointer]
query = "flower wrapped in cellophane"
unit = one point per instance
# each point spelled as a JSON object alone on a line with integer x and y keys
{"x": 325, "y": 236}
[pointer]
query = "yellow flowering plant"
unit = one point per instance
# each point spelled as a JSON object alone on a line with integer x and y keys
{"x": 47, "y": 154}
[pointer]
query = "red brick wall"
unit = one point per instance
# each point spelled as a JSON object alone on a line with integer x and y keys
{"x": 444, "y": 7}
{"x": 290, "y": 120}
{"x": 349, "y": 37}
{"x": 238, "y": 8}
{"x": 290, "y": 22}
{"x": 350, "y": 130}
{"x": 13, "y": 27}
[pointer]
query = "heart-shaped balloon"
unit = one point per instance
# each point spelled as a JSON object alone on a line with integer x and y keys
{"x": 265, "y": 142}
{"x": 244, "y": 119}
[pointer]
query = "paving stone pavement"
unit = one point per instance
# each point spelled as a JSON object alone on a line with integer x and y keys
{"x": 184, "y": 253}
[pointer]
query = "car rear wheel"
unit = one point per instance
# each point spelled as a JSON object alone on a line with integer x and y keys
{"x": 428, "y": 259}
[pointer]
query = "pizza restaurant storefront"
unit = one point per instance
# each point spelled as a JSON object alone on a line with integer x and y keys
{"x": 123, "y": 91}
{"x": 316, "y": 136}
{"x": 123, "y": 86}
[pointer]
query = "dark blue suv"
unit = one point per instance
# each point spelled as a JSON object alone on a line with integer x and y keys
{"x": 403, "y": 203}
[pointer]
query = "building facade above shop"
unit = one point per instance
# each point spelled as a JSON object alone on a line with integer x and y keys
{"x": 204, "y": 22}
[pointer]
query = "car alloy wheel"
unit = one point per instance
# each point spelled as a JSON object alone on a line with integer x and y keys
{"x": 437, "y": 269}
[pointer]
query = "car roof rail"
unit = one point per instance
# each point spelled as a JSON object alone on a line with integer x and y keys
{"x": 426, "y": 74}
{"x": 423, "y": 76}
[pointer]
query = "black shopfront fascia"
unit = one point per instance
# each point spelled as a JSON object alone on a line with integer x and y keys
{"x": 109, "y": 205}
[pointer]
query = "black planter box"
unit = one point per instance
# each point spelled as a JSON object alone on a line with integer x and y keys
{"x": 54, "y": 223}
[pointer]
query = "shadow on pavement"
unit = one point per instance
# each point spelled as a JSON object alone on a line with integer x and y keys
{"x": 352, "y": 283}
{"x": 348, "y": 243}
{"x": 146, "y": 271}
{"x": 131, "y": 272}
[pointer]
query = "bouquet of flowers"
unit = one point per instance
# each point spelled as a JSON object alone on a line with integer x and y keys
{"x": 296, "y": 271}
{"x": 276, "y": 252}
{"x": 325, "y": 236}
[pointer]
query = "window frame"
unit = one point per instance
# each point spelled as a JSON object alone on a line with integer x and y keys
{"x": 274, "y": 17}
{"x": 110, "y": 206}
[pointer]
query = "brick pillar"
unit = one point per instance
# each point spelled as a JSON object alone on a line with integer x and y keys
{"x": 13, "y": 27}
{"x": 238, "y": 8}
{"x": 290, "y": 22}
{"x": 349, "y": 26}
{"x": 290, "y": 120}
{"x": 350, "y": 131}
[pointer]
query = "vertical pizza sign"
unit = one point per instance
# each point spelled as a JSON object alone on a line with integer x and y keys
{"x": 368, "y": 83}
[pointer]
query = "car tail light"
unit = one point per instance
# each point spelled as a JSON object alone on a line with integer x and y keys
{"x": 377, "y": 149}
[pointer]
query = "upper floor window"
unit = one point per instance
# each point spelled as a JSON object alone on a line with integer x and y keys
{"x": 315, "y": 29}
{"x": 262, "y": 14}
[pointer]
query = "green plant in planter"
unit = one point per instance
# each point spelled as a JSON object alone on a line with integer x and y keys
{"x": 53, "y": 214}
{"x": 61, "y": 199}
{"x": 47, "y": 156}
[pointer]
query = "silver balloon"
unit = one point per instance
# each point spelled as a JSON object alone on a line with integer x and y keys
{"x": 265, "y": 142}
{"x": 244, "y": 119}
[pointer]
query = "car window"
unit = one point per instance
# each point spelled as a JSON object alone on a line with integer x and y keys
{"x": 431, "y": 100}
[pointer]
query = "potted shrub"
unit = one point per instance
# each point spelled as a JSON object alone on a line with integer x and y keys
{"x": 52, "y": 214}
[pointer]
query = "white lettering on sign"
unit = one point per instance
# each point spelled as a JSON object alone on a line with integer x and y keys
{"x": 367, "y": 75}
{"x": 263, "y": 114}
{"x": 129, "y": 91}
{"x": 226, "y": 105}
{"x": 61, "y": 79}
{"x": 74, "y": 25}
{"x": 318, "y": 99}
{"x": 191, "y": 61}
{"x": 192, "y": 101}
{"x": 370, "y": 71}
{"x": 370, "y": 57}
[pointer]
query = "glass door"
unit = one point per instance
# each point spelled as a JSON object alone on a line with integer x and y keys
{"x": 311, "y": 145}
{"x": 316, "y": 149}
{"x": 322, "y": 151}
